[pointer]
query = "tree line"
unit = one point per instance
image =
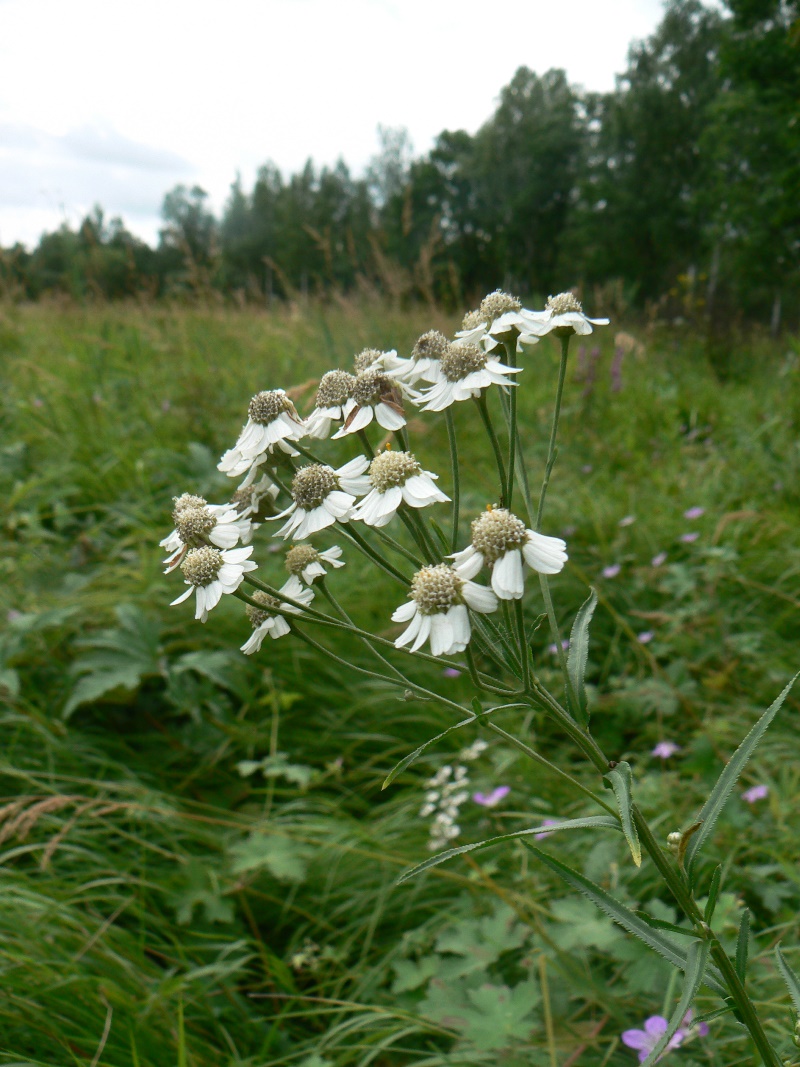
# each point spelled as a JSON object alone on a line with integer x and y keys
{"x": 681, "y": 186}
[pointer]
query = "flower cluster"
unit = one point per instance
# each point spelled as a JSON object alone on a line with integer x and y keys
{"x": 446, "y": 792}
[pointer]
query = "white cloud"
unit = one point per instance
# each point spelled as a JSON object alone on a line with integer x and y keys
{"x": 120, "y": 100}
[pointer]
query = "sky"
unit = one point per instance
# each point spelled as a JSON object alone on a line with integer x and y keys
{"x": 117, "y": 101}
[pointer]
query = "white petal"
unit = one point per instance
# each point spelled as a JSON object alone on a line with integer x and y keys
{"x": 338, "y": 503}
{"x": 405, "y": 612}
{"x": 237, "y": 555}
{"x": 462, "y": 631}
{"x": 353, "y": 467}
{"x": 280, "y": 627}
{"x": 424, "y": 632}
{"x": 410, "y": 632}
{"x": 361, "y": 419}
{"x": 507, "y": 577}
{"x": 442, "y": 634}
{"x": 388, "y": 418}
{"x": 253, "y": 643}
{"x": 479, "y": 597}
{"x": 468, "y": 562}
{"x": 547, "y": 555}
{"x": 183, "y": 596}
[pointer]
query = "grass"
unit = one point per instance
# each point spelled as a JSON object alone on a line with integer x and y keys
{"x": 162, "y": 907}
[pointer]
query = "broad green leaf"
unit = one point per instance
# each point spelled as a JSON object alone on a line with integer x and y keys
{"x": 727, "y": 780}
{"x": 696, "y": 963}
{"x": 743, "y": 944}
{"x": 411, "y": 974}
{"x": 102, "y": 684}
{"x": 789, "y": 977}
{"x": 713, "y": 893}
{"x": 479, "y": 943}
{"x": 578, "y": 656}
{"x": 285, "y": 860}
{"x": 592, "y": 822}
{"x": 627, "y": 919}
{"x": 412, "y": 756}
{"x": 490, "y": 1016}
{"x": 620, "y": 780}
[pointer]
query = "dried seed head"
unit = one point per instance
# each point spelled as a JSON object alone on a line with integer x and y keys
{"x": 266, "y": 406}
{"x": 389, "y": 469}
{"x": 194, "y": 523}
{"x": 369, "y": 387}
{"x": 364, "y": 360}
{"x": 202, "y": 565}
{"x": 312, "y": 484}
{"x": 563, "y": 303}
{"x": 335, "y": 388}
{"x": 472, "y": 319}
{"x": 461, "y": 360}
{"x": 436, "y": 589}
{"x": 184, "y": 501}
{"x": 299, "y": 557}
{"x": 496, "y": 532}
{"x": 496, "y": 304}
{"x": 432, "y": 345}
{"x": 255, "y": 616}
{"x": 242, "y": 498}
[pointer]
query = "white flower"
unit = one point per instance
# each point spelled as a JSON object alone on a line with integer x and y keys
{"x": 256, "y": 501}
{"x": 563, "y": 314}
{"x": 500, "y": 318}
{"x": 372, "y": 359}
{"x": 264, "y": 622}
{"x": 210, "y": 572}
{"x": 463, "y": 371}
{"x": 197, "y": 523}
{"x": 424, "y": 362}
{"x": 332, "y": 403}
{"x": 308, "y": 563}
{"x": 502, "y": 542}
{"x": 396, "y": 478}
{"x": 437, "y": 610}
{"x": 375, "y": 396}
{"x": 322, "y": 495}
{"x": 272, "y": 423}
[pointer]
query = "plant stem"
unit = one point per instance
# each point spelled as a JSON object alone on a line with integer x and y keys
{"x": 451, "y": 437}
{"x": 483, "y": 407}
{"x": 551, "y": 451}
{"x": 524, "y": 653}
{"x": 511, "y": 360}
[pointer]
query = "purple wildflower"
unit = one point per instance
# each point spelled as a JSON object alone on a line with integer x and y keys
{"x": 692, "y": 535}
{"x": 491, "y": 800}
{"x": 659, "y": 560}
{"x": 451, "y": 672}
{"x": 644, "y": 1041}
{"x": 553, "y": 649}
{"x": 665, "y": 749}
{"x": 645, "y": 637}
{"x": 587, "y": 468}
{"x": 546, "y": 833}
{"x": 628, "y": 520}
{"x": 754, "y": 793}
{"x": 694, "y": 513}
{"x": 612, "y": 570}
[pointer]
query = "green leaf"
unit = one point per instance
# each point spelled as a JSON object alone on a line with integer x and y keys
{"x": 627, "y": 919}
{"x": 662, "y": 924}
{"x": 789, "y": 977}
{"x": 284, "y": 859}
{"x": 620, "y": 780}
{"x": 743, "y": 944}
{"x": 9, "y": 681}
{"x": 490, "y": 1016}
{"x": 727, "y": 780}
{"x": 696, "y": 963}
{"x": 102, "y": 684}
{"x": 713, "y": 893}
{"x": 278, "y": 766}
{"x": 412, "y": 756}
{"x": 592, "y": 822}
{"x": 578, "y": 656}
{"x": 411, "y": 974}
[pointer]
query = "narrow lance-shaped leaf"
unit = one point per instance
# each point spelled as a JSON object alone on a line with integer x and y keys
{"x": 658, "y": 942}
{"x": 592, "y": 822}
{"x": 727, "y": 780}
{"x": 406, "y": 761}
{"x": 621, "y": 781}
{"x": 743, "y": 944}
{"x": 577, "y": 658}
{"x": 713, "y": 893}
{"x": 789, "y": 977}
{"x": 696, "y": 963}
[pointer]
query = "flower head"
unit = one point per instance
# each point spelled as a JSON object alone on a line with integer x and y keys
{"x": 396, "y": 478}
{"x": 255, "y": 502}
{"x": 502, "y": 542}
{"x": 689, "y": 537}
{"x": 645, "y": 637}
{"x": 492, "y": 799}
{"x": 500, "y": 318}
{"x": 426, "y": 357}
{"x": 272, "y": 422}
{"x": 754, "y": 793}
{"x": 665, "y": 749}
{"x": 659, "y": 559}
{"x": 375, "y": 396}
{"x": 269, "y": 618}
{"x": 437, "y": 610}
{"x": 463, "y": 371}
{"x": 210, "y": 572}
{"x": 198, "y": 523}
{"x": 563, "y": 315}
{"x": 308, "y": 563}
{"x": 644, "y": 1041}
{"x": 322, "y": 495}
{"x": 332, "y": 404}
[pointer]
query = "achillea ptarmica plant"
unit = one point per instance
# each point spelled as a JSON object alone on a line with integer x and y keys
{"x": 210, "y": 572}
{"x": 308, "y": 563}
{"x": 322, "y": 496}
{"x": 198, "y": 523}
{"x": 464, "y": 371}
{"x": 270, "y": 616}
{"x": 396, "y": 478}
{"x": 375, "y": 396}
{"x": 437, "y": 610}
{"x": 272, "y": 422}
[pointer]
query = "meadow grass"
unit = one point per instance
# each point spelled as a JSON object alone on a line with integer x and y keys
{"x": 161, "y": 906}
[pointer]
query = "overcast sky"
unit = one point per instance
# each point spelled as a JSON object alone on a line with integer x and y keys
{"x": 116, "y": 101}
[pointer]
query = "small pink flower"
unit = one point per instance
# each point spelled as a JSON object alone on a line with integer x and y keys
{"x": 645, "y": 637}
{"x": 694, "y": 513}
{"x": 587, "y": 468}
{"x": 659, "y": 560}
{"x": 665, "y": 749}
{"x": 553, "y": 649}
{"x": 629, "y": 520}
{"x": 165, "y": 406}
{"x": 546, "y": 833}
{"x": 687, "y": 538}
{"x": 37, "y": 402}
{"x": 491, "y": 800}
{"x": 451, "y": 672}
{"x": 612, "y": 570}
{"x": 754, "y": 793}
{"x": 644, "y": 1041}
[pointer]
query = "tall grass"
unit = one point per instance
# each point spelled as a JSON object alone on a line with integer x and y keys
{"x": 161, "y": 906}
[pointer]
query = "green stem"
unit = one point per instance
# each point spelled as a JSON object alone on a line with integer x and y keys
{"x": 511, "y": 360}
{"x": 524, "y": 652}
{"x": 451, "y": 437}
{"x": 551, "y": 451}
{"x": 353, "y": 535}
{"x": 483, "y": 407}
